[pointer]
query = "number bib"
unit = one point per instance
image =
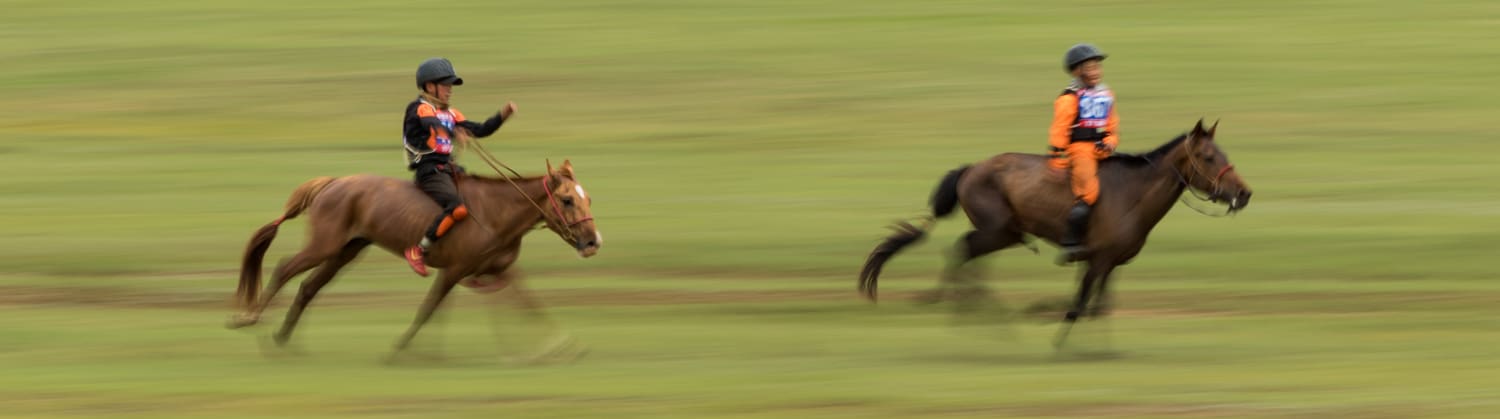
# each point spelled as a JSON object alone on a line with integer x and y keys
{"x": 443, "y": 144}
{"x": 1093, "y": 107}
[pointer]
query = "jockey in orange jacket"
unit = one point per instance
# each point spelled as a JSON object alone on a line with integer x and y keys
{"x": 1085, "y": 129}
{"x": 430, "y": 128}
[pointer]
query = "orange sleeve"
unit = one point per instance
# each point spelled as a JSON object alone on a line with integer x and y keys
{"x": 426, "y": 111}
{"x": 1113, "y": 126}
{"x": 1064, "y": 111}
{"x": 457, "y": 116}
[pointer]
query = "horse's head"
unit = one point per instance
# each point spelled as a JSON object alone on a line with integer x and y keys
{"x": 1207, "y": 169}
{"x": 572, "y": 218}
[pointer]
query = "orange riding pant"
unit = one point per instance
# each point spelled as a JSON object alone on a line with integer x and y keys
{"x": 1081, "y": 159}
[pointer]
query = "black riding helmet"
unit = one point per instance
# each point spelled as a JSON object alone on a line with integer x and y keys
{"x": 437, "y": 70}
{"x": 1080, "y": 53}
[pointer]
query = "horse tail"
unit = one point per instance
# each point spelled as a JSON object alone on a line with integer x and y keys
{"x": 944, "y": 200}
{"x": 255, "y": 251}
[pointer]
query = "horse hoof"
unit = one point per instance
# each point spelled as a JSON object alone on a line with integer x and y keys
{"x": 558, "y": 345}
{"x": 391, "y": 359}
{"x": 578, "y": 352}
{"x": 478, "y": 287}
{"x": 271, "y": 347}
{"x": 281, "y": 339}
{"x": 929, "y": 297}
{"x": 403, "y": 357}
{"x": 560, "y": 349}
{"x": 237, "y": 321}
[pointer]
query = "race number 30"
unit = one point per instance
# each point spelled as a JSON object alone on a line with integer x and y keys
{"x": 1094, "y": 107}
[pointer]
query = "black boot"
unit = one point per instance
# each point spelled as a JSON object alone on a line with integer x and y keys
{"x": 1078, "y": 224}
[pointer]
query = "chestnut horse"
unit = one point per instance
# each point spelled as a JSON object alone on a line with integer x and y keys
{"x": 1013, "y": 195}
{"x": 348, "y": 214}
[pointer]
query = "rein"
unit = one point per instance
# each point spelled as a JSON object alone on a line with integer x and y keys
{"x": 557, "y": 226}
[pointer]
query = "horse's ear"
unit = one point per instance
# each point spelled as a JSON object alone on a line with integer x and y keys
{"x": 1198, "y": 129}
{"x": 1213, "y": 129}
{"x": 567, "y": 168}
{"x": 549, "y": 166}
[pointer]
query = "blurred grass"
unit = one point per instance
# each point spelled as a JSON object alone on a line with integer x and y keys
{"x": 735, "y": 148}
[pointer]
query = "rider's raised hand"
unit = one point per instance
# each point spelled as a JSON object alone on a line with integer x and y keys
{"x": 510, "y": 109}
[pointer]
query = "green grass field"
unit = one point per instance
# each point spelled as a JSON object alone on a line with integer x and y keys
{"x": 744, "y": 156}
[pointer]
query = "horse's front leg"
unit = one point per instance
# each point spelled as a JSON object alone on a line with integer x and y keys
{"x": 1104, "y": 298}
{"x": 441, "y": 287}
{"x": 1080, "y": 302}
{"x": 558, "y": 344}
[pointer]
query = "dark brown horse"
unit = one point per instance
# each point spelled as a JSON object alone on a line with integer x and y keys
{"x": 1013, "y": 195}
{"x": 348, "y": 214}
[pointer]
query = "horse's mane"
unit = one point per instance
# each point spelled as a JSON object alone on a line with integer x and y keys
{"x": 1135, "y": 160}
{"x": 499, "y": 179}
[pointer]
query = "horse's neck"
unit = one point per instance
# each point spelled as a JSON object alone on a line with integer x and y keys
{"x": 508, "y": 207}
{"x": 1160, "y": 187}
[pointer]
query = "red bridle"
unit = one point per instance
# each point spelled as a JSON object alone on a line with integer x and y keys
{"x": 557, "y": 209}
{"x": 1222, "y": 172}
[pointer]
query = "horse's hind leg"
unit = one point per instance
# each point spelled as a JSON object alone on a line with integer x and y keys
{"x": 314, "y": 283}
{"x": 993, "y": 230}
{"x": 318, "y": 250}
{"x": 966, "y": 276}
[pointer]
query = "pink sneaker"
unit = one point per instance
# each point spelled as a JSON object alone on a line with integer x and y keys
{"x": 414, "y": 258}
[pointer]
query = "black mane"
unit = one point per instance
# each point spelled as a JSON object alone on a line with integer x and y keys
{"x": 1147, "y": 157}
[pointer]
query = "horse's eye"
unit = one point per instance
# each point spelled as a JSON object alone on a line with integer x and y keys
{"x": 567, "y": 201}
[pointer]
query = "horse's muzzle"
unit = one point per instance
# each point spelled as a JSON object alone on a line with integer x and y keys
{"x": 1239, "y": 201}
{"x": 588, "y": 245}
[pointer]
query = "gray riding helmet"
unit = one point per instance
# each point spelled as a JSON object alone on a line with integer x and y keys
{"x": 1080, "y": 53}
{"x": 437, "y": 70}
